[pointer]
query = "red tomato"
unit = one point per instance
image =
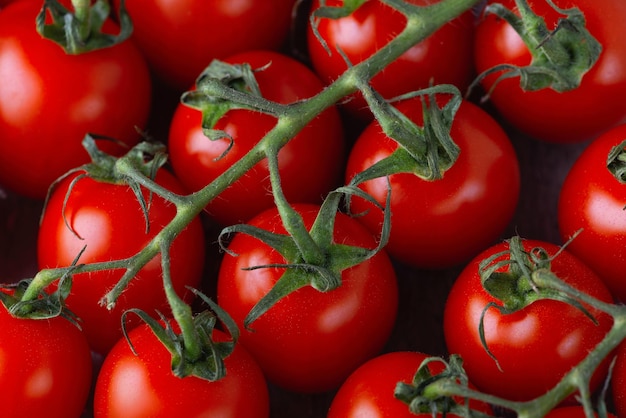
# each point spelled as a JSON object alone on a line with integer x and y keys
{"x": 593, "y": 200}
{"x": 50, "y": 100}
{"x": 133, "y": 385}
{"x": 535, "y": 346}
{"x": 618, "y": 381}
{"x": 310, "y": 164}
{"x": 441, "y": 223}
{"x": 45, "y": 367}
{"x": 445, "y": 57}
{"x": 572, "y": 116}
{"x": 574, "y": 411}
{"x": 180, "y": 38}
{"x": 309, "y": 341}
{"x": 111, "y": 226}
{"x": 369, "y": 391}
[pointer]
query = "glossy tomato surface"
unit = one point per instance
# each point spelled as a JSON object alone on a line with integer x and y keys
{"x": 45, "y": 367}
{"x": 137, "y": 385}
{"x": 106, "y": 221}
{"x": 180, "y": 38}
{"x": 535, "y": 346}
{"x": 309, "y": 341}
{"x": 310, "y": 164}
{"x": 50, "y": 100}
{"x": 618, "y": 381}
{"x": 571, "y": 116}
{"x": 369, "y": 391}
{"x": 442, "y": 223}
{"x": 591, "y": 203}
{"x": 574, "y": 411}
{"x": 445, "y": 57}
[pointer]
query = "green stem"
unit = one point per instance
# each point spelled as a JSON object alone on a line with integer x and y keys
{"x": 181, "y": 312}
{"x": 294, "y": 224}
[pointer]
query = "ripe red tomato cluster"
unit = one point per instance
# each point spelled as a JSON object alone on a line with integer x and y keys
{"x": 529, "y": 163}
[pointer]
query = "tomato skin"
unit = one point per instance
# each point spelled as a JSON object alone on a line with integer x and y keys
{"x": 369, "y": 390}
{"x": 50, "y": 100}
{"x": 442, "y": 223}
{"x": 133, "y": 386}
{"x": 574, "y": 411}
{"x": 445, "y": 57}
{"x": 593, "y": 200}
{"x": 571, "y": 116}
{"x": 35, "y": 355}
{"x": 535, "y": 346}
{"x": 310, "y": 164}
{"x": 618, "y": 381}
{"x": 111, "y": 224}
{"x": 180, "y": 38}
{"x": 310, "y": 341}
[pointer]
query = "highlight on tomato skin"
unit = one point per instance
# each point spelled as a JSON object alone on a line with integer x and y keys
{"x": 106, "y": 221}
{"x": 566, "y": 117}
{"x": 45, "y": 367}
{"x": 529, "y": 350}
{"x": 442, "y": 223}
{"x": 51, "y": 99}
{"x": 591, "y": 209}
{"x": 445, "y": 57}
{"x": 309, "y": 341}
{"x": 310, "y": 165}
{"x": 141, "y": 384}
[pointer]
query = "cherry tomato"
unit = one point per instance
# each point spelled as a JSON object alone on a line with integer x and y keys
{"x": 45, "y": 367}
{"x": 535, "y": 346}
{"x": 369, "y": 391}
{"x": 309, "y": 341}
{"x": 441, "y": 223}
{"x": 50, "y": 100}
{"x": 180, "y": 38}
{"x": 310, "y": 164}
{"x": 592, "y": 200}
{"x": 107, "y": 221}
{"x": 445, "y": 57}
{"x": 133, "y": 385}
{"x": 572, "y": 116}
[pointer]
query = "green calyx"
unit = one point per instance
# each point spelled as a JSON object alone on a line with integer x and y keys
{"x": 517, "y": 278}
{"x": 428, "y": 392}
{"x": 80, "y": 31}
{"x": 45, "y": 305}
{"x": 312, "y": 257}
{"x": 206, "y": 359}
{"x": 237, "y": 78}
{"x": 428, "y": 151}
{"x": 145, "y": 158}
{"x": 616, "y": 162}
{"x": 560, "y": 57}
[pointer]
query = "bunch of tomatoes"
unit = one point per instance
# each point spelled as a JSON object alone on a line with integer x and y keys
{"x": 312, "y": 208}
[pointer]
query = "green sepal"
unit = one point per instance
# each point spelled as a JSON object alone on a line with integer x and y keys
{"x": 616, "y": 161}
{"x": 45, "y": 305}
{"x": 210, "y": 364}
{"x": 323, "y": 277}
{"x": 512, "y": 277}
{"x": 81, "y": 32}
{"x": 428, "y": 151}
{"x": 239, "y": 77}
{"x": 331, "y": 12}
{"x": 427, "y": 391}
{"x": 145, "y": 157}
{"x": 560, "y": 58}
